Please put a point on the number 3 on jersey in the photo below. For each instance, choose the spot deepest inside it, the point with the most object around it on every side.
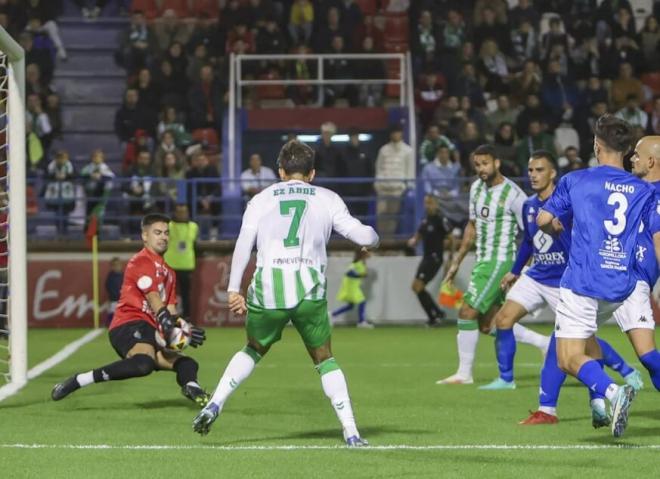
(298, 207)
(616, 227)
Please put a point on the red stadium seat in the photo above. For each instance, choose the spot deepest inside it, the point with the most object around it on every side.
(207, 7)
(270, 92)
(396, 28)
(368, 7)
(149, 8)
(652, 80)
(32, 202)
(180, 7)
(207, 136)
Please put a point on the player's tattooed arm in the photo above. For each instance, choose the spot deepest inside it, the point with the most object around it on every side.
(469, 236)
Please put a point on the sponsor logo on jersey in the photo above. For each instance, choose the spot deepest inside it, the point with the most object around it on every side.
(641, 252)
(611, 250)
(485, 211)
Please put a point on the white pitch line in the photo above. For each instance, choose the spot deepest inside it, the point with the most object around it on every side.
(54, 360)
(294, 447)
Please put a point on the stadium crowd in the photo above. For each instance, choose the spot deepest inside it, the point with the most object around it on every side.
(522, 75)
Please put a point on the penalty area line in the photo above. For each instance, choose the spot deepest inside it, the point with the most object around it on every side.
(54, 360)
(293, 447)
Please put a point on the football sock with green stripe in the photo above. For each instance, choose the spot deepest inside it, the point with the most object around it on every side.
(335, 388)
(467, 340)
(238, 370)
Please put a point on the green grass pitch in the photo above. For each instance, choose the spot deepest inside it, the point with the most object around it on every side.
(391, 374)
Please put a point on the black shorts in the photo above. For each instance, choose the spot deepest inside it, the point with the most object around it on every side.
(428, 268)
(124, 337)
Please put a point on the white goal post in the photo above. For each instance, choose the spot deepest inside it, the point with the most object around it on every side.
(14, 86)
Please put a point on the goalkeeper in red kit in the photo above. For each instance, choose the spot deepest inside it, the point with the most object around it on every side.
(145, 315)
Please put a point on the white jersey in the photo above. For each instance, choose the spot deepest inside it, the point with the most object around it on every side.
(497, 216)
(291, 223)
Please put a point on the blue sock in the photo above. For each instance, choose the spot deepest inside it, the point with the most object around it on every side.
(505, 349)
(613, 359)
(552, 378)
(341, 310)
(594, 394)
(651, 362)
(592, 375)
(361, 310)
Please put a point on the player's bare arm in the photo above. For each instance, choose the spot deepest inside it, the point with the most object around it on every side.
(548, 223)
(469, 236)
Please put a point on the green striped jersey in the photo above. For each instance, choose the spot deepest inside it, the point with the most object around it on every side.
(291, 223)
(497, 216)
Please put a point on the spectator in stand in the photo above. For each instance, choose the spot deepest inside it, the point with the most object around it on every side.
(446, 113)
(172, 170)
(328, 159)
(206, 32)
(649, 39)
(524, 12)
(324, 38)
(428, 96)
(624, 85)
(440, 176)
(41, 16)
(339, 69)
(256, 177)
(168, 29)
(39, 121)
(113, 282)
(139, 190)
(565, 136)
(504, 143)
(270, 39)
(555, 36)
(571, 161)
(259, 12)
(433, 140)
(148, 94)
(301, 70)
(499, 8)
(425, 43)
(632, 113)
(240, 33)
(493, 67)
(173, 89)
(558, 95)
(624, 25)
(531, 111)
(91, 9)
(469, 139)
(595, 92)
(34, 84)
(526, 82)
(351, 18)
(536, 139)
(396, 161)
(358, 165)
(653, 125)
(523, 43)
(233, 14)
(504, 113)
(54, 114)
(34, 153)
(469, 112)
(468, 84)
(130, 118)
(97, 181)
(204, 196)
(490, 27)
(205, 101)
(170, 122)
(196, 61)
(166, 146)
(369, 95)
(585, 126)
(300, 21)
(37, 56)
(177, 57)
(136, 44)
(60, 191)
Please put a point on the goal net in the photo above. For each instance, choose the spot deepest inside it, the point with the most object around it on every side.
(13, 266)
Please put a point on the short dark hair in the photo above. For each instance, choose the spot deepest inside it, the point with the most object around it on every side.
(615, 133)
(486, 149)
(545, 154)
(296, 157)
(151, 218)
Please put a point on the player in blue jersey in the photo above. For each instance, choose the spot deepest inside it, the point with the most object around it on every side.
(608, 206)
(539, 286)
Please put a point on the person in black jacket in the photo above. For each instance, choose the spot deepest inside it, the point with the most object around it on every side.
(358, 165)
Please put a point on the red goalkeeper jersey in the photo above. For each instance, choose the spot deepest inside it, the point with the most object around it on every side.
(145, 272)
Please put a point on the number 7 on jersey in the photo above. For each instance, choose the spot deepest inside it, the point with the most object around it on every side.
(298, 207)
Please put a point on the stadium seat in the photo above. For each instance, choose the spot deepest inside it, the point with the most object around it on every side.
(207, 7)
(32, 202)
(180, 7)
(652, 80)
(368, 7)
(396, 28)
(270, 92)
(149, 7)
(206, 136)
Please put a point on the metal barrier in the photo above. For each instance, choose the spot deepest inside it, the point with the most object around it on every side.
(59, 210)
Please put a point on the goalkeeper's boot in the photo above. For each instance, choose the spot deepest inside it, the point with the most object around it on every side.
(635, 380)
(206, 417)
(620, 408)
(196, 394)
(498, 384)
(356, 441)
(599, 417)
(63, 389)
(539, 417)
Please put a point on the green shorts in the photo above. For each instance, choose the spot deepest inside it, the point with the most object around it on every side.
(310, 318)
(484, 289)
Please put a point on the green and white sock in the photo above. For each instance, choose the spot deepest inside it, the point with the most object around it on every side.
(466, 340)
(237, 371)
(336, 389)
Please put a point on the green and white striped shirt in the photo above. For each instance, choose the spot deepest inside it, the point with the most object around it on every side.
(291, 223)
(497, 216)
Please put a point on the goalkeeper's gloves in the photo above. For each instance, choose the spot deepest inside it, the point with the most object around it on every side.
(197, 336)
(166, 321)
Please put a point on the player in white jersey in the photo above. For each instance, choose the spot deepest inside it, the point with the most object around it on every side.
(495, 219)
(291, 223)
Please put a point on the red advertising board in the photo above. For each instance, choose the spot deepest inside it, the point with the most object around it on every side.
(60, 293)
